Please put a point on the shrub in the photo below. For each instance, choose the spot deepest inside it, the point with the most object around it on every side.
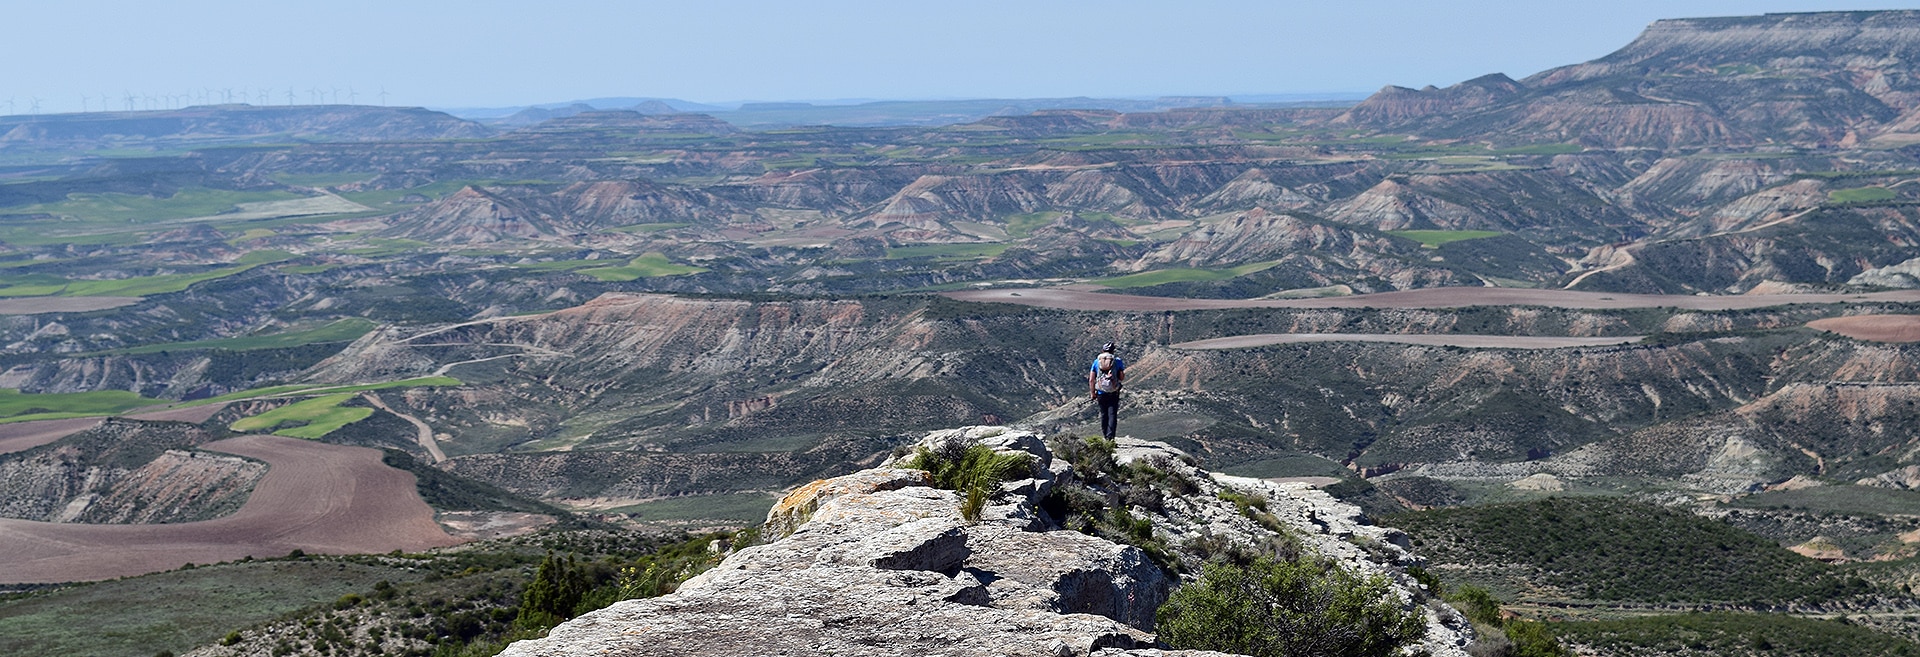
(1298, 608)
(974, 470)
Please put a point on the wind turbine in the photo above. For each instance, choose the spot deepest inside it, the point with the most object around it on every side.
(352, 97)
(129, 98)
(383, 95)
(9, 106)
(289, 96)
(83, 104)
(336, 95)
(36, 105)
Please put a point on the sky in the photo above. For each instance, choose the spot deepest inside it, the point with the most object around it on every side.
(77, 55)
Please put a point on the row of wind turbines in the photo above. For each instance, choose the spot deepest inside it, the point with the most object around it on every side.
(130, 101)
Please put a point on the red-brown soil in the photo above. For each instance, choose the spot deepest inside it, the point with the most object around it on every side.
(1878, 328)
(21, 436)
(1476, 341)
(1439, 297)
(316, 497)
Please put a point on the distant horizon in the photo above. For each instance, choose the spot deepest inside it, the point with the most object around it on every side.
(94, 55)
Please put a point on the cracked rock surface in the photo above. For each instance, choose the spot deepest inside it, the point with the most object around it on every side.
(880, 563)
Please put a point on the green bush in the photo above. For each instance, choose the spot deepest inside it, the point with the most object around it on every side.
(1299, 608)
(974, 470)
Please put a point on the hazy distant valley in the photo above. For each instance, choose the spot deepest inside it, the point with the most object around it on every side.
(596, 321)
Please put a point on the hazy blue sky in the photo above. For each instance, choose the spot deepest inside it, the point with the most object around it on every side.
(485, 53)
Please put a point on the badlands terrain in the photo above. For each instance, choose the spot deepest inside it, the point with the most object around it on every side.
(1661, 304)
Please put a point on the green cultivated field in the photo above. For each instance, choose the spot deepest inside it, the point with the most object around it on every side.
(649, 228)
(40, 285)
(344, 330)
(746, 507)
(312, 418)
(1435, 238)
(310, 389)
(963, 251)
(646, 266)
(1182, 275)
(323, 179)
(16, 406)
(142, 616)
(1862, 195)
(121, 209)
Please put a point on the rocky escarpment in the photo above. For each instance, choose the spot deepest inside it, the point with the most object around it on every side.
(881, 563)
(125, 471)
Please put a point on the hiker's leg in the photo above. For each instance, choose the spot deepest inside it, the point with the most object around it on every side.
(1109, 414)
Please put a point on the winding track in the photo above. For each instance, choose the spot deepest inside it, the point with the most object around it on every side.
(315, 497)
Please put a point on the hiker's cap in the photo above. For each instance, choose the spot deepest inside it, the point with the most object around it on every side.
(1107, 347)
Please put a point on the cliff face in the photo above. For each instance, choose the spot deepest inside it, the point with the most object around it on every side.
(880, 563)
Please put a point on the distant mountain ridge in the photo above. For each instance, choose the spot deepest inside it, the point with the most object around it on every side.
(1815, 79)
(239, 122)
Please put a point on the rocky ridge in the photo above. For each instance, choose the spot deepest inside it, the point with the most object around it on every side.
(881, 563)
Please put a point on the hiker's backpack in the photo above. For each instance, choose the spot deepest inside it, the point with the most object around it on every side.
(1107, 372)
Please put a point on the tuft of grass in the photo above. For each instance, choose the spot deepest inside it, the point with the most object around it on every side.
(975, 470)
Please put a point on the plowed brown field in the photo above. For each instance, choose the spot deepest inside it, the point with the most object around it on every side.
(316, 497)
(1878, 328)
(1439, 297)
(20, 436)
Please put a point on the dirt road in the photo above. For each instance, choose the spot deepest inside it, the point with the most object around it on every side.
(1453, 340)
(422, 433)
(1441, 297)
(315, 497)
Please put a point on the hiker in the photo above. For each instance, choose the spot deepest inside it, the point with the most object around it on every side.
(1104, 382)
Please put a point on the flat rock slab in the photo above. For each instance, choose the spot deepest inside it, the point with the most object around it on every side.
(315, 497)
(1469, 341)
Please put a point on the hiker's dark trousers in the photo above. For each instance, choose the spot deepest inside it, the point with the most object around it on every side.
(1109, 403)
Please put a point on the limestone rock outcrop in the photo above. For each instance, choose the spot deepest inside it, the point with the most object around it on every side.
(881, 563)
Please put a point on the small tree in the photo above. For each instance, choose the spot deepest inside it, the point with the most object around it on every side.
(1302, 608)
(552, 595)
